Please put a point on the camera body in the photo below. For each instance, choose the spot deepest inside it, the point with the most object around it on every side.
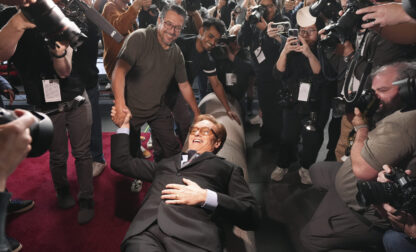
(192, 5)
(400, 192)
(53, 24)
(368, 103)
(257, 12)
(41, 131)
(347, 25)
(329, 8)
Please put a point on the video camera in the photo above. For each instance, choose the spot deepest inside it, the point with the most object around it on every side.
(257, 12)
(346, 26)
(41, 131)
(400, 192)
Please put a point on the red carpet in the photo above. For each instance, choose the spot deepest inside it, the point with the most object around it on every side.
(48, 228)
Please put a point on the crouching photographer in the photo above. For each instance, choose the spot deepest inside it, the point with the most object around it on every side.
(396, 190)
(340, 222)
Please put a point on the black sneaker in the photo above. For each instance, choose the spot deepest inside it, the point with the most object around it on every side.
(15, 245)
(65, 199)
(86, 211)
(19, 206)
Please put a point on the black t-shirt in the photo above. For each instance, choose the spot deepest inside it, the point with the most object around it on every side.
(195, 62)
(34, 64)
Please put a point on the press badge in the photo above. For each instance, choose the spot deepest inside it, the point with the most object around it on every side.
(304, 90)
(231, 79)
(51, 90)
(259, 55)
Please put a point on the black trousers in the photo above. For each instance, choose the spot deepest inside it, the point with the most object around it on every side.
(163, 134)
(153, 239)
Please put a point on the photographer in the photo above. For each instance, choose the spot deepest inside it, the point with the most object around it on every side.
(402, 236)
(148, 14)
(264, 52)
(299, 70)
(340, 222)
(221, 11)
(53, 82)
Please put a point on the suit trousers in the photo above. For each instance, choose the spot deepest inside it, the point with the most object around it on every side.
(334, 226)
(77, 125)
(153, 239)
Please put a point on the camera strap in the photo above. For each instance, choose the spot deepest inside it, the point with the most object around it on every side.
(353, 65)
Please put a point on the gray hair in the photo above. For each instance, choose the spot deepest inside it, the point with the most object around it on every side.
(173, 7)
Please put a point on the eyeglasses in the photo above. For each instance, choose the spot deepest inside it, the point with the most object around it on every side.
(170, 26)
(206, 131)
(307, 32)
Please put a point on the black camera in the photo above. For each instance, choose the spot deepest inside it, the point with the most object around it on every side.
(400, 192)
(53, 24)
(368, 103)
(257, 12)
(154, 10)
(407, 92)
(227, 39)
(41, 131)
(192, 5)
(328, 8)
(347, 25)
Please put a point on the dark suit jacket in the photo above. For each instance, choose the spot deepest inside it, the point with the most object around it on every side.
(193, 224)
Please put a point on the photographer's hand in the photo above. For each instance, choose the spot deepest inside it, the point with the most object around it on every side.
(10, 95)
(15, 143)
(137, 4)
(384, 15)
(273, 32)
(262, 25)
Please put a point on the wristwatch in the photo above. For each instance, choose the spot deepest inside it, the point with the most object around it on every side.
(357, 127)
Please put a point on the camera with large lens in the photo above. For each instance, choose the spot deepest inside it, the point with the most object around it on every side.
(53, 24)
(400, 192)
(41, 131)
(192, 5)
(257, 12)
(368, 103)
(328, 8)
(346, 26)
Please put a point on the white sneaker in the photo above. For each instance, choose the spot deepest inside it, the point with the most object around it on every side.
(107, 87)
(97, 168)
(256, 120)
(149, 144)
(278, 173)
(305, 176)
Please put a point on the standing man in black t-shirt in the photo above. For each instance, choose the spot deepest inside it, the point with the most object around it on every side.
(52, 83)
(198, 60)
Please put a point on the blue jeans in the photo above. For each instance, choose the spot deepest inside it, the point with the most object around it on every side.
(397, 241)
(96, 146)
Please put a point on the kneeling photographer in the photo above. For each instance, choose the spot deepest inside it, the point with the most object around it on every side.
(340, 222)
(54, 80)
(304, 97)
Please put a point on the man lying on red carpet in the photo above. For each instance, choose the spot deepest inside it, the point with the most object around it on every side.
(192, 195)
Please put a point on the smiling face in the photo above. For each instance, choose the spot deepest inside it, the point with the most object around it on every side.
(201, 142)
(169, 28)
(209, 37)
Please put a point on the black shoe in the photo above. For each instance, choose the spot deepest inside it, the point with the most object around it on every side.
(14, 244)
(65, 199)
(19, 206)
(261, 142)
(86, 211)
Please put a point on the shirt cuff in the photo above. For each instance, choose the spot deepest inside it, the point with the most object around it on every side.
(211, 202)
(123, 131)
